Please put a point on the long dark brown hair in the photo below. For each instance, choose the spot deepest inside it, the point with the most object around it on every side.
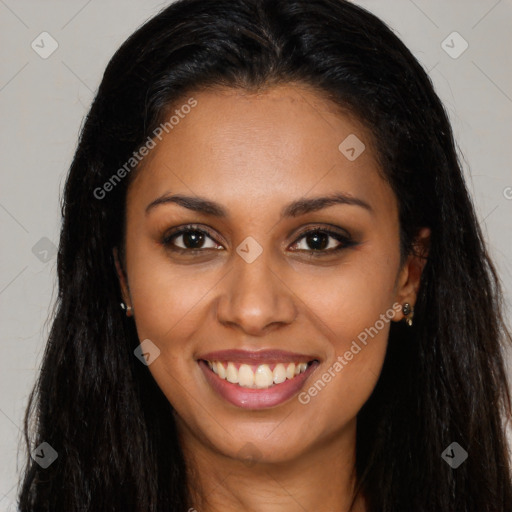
(443, 380)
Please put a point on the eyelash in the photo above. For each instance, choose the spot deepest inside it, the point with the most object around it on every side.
(345, 241)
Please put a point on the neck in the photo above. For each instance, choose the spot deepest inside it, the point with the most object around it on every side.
(321, 478)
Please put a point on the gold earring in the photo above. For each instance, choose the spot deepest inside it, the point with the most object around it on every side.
(408, 312)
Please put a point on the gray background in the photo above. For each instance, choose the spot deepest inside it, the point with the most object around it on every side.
(43, 102)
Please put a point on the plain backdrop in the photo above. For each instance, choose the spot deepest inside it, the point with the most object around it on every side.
(43, 102)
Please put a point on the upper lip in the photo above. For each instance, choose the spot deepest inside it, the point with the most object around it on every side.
(257, 357)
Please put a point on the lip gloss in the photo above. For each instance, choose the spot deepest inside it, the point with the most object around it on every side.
(247, 398)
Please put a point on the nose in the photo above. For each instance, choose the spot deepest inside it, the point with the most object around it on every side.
(254, 298)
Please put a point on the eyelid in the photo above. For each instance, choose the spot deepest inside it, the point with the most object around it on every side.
(327, 228)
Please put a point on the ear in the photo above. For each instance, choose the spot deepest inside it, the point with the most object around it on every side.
(123, 282)
(408, 281)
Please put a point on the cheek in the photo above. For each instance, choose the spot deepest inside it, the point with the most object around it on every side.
(339, 389)
(169, 304)
(349, 298)
(166, 298)
(353, 309)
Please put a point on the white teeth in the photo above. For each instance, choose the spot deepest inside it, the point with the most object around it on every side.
(279, 373)
(262, 378)
(245, 376)
(221, 372)
(232, 373)
(290, 371)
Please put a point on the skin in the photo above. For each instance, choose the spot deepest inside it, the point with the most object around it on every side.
(253, 154)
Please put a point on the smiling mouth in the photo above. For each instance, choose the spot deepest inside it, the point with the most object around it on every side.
(260, 376)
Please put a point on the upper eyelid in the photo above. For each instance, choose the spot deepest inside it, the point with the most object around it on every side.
(184, 229)
(325, 228)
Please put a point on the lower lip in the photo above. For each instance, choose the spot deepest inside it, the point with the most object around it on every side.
(256, 398)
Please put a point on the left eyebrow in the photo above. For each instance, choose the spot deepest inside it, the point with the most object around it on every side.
(303, 206)
(198, 204)
(293, 209)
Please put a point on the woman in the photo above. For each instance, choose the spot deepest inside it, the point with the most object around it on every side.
(309, 318)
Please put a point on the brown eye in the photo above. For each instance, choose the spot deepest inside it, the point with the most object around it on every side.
(189, 239)
(322, 241)
(192, 239)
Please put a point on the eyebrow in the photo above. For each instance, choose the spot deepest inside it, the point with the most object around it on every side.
(293, 209)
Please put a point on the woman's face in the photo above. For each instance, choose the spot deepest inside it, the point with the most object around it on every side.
(247, 278)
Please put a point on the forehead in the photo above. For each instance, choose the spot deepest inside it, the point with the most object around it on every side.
(286, 141)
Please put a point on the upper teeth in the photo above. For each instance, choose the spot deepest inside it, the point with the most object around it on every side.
(262, 377)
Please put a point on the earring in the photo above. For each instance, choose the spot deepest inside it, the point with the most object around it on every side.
(407, 310)
(125, 307)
